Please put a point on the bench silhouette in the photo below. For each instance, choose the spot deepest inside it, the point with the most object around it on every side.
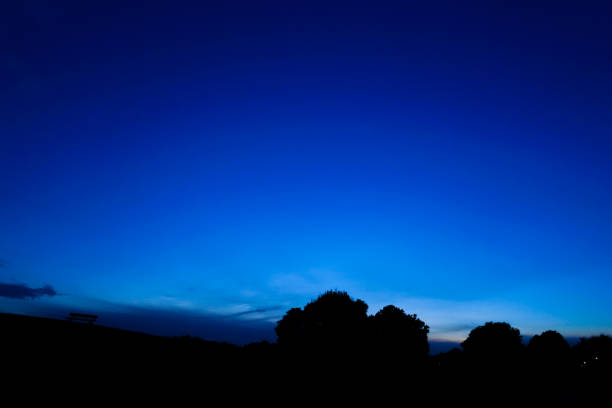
(80, 317)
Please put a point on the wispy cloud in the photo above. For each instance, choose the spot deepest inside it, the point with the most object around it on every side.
(22, 291)
(259, 311)
(167, 302)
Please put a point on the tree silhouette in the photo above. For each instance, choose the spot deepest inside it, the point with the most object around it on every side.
(395, 334)
(290, 329)
(549, 351)
(594, 353)
(333, 321)
(494, 344)
(549, 341)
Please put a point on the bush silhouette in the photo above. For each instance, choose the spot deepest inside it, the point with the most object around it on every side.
(333, 321)
(395, 334)
(494, 344)
(549, 351)
(290, 330)
(594, 353)
(549, 341)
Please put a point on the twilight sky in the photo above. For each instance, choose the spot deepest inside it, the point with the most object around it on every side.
(203, 167)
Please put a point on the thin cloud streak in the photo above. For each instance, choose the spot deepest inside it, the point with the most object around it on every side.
(258, 311)
(22, 291)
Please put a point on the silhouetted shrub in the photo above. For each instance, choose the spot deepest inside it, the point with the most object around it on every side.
(495, 344)
(397, 335)
(290, 330)
(334, 321)
(451, 360)
(549, 351)
(594, 353)
(549, 341)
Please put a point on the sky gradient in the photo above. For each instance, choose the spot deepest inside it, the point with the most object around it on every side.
(204, 168)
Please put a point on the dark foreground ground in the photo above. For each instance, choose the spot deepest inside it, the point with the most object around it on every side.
(50, 361)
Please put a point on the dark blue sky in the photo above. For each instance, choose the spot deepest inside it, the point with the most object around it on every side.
(230, 161)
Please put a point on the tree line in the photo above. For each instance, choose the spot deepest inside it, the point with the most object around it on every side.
(333, 339)
(338, 324)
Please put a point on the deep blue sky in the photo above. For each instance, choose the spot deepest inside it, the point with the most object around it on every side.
(219, 164)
